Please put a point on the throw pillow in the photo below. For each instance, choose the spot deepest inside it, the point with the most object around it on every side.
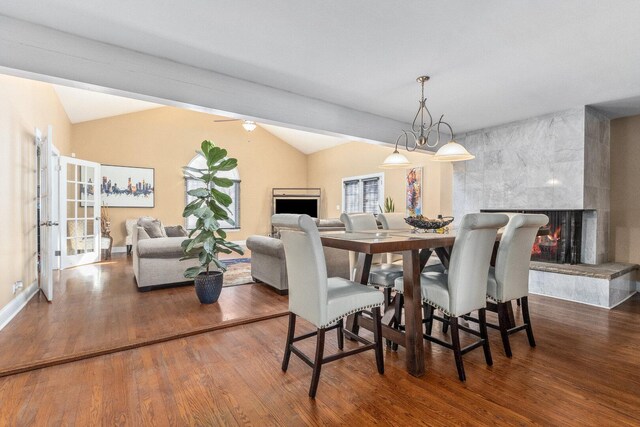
(153, 228)
(176, 231)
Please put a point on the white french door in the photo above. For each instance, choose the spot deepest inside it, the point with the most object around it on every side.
(46, 171)
(79, 211)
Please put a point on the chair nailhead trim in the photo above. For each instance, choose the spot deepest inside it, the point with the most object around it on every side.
(433, 304)
(494, 299)
(334, 321)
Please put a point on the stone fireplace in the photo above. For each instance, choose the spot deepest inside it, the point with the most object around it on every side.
(558, 162)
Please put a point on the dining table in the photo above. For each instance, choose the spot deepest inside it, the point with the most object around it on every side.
(416, 249)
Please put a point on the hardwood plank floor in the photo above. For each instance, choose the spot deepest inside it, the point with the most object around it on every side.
(585, 371)
(98, 309)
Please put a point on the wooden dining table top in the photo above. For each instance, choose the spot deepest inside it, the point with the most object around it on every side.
(381, 241)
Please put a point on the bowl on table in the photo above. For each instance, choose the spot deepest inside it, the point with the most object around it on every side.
(423, 224)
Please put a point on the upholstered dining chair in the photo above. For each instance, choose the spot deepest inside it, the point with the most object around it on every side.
(381, 275)
(509, 280)
(323, 301)
(393, 221)
(462, 289)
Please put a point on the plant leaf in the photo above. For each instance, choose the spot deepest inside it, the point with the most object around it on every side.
(199, 192)
(192, 272)
(222, 182)
(226, 165)
(221, 197)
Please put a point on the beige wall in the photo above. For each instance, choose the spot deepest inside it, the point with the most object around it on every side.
(326, 169)
(24, 105)
(166, 139)
(625, 197)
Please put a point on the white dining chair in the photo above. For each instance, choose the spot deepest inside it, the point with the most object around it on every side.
(323, 301)
(509, 280)
(393, 221)
(381, 275)
(462, 289)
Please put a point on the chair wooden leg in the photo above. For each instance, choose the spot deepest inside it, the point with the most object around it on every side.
(397, 317)
(503, 320)
(340, 334)
(518, 302)
(387, 298)
(377, 337)
(445, 324)
(527, 320)
(482, 321)
(317, 364)
(290, 334)
(427, 313)
(457, 353)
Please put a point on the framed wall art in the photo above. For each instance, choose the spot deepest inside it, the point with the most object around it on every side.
(128, 186)
(413, 193)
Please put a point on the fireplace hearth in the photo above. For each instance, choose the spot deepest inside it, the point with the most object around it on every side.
(562, 243)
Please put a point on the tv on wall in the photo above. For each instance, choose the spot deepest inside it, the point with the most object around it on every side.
(298, 205)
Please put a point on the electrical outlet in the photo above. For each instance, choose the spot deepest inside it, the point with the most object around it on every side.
(337, 207)
(16, 286)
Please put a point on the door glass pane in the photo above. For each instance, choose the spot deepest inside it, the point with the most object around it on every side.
(71, 172)
(83, 174)
(82, 211)
(90, 225)
(72, 228)
(90, 191)
(89, 244)
(90, 173)
(80, 245)
(71, 246)
(90, 210)
(71, 190)
(71, 209)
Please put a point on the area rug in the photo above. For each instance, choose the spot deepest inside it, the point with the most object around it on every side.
(238, 272)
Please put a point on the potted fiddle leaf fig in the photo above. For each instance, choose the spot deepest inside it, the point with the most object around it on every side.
(208, 239)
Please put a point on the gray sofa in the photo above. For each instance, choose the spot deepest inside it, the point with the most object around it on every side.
(267, 253)
(156, 261)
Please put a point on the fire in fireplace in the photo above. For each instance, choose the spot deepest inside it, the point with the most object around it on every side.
(562, 242)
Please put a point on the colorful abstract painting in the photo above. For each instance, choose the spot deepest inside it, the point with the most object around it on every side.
(413, 192)
(127, 187)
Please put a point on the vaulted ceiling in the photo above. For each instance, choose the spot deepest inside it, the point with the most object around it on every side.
(490, 62)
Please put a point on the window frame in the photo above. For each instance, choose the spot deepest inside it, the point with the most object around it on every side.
(361, 179)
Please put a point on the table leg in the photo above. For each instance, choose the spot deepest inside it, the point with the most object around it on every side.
(425, 254)
(413, 313)
(444, 254)
(362, 275)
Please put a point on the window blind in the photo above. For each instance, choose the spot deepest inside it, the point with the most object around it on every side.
(352, 196)
(370, 191)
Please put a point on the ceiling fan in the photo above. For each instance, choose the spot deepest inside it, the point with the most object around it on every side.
(248, 125)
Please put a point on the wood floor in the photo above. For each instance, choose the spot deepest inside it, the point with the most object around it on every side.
(585, 371)
(97, 308)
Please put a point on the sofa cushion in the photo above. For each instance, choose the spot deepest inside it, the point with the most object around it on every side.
(266, 245)
(153, 227)
(175, 231)
(330, 223)
(167, 247)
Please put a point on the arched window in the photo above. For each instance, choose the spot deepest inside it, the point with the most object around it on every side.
(199, 162)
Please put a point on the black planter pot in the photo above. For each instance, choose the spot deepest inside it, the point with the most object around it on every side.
(208, 286)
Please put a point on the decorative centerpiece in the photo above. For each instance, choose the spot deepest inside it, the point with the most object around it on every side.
(423, 224)
(207, 239)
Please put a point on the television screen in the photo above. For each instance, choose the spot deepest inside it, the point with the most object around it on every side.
(297, 206)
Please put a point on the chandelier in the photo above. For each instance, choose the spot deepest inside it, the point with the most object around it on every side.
(420, 135)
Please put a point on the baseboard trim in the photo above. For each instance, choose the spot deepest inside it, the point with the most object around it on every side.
(141, 343)
(14, 306)
(118, 249)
